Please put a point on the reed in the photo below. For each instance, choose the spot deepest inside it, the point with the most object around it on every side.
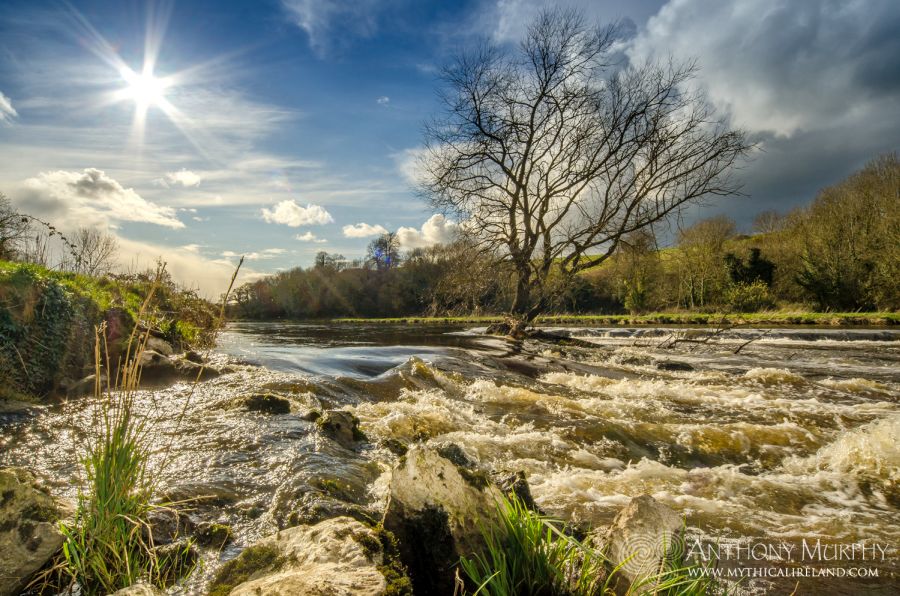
(527, 554)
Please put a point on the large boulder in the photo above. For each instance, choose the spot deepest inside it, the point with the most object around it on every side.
(438, 501)
(336, 557)
(29, 537)
(643, 537)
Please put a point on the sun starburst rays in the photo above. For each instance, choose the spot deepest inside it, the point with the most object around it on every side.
(142, 86)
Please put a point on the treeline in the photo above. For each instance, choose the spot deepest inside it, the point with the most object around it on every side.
(839, 253)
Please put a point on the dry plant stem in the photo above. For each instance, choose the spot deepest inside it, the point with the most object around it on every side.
(218, 325)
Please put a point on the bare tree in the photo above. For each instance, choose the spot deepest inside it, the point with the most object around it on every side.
(549, 153)
(94, 251)
(384, 251)
(768, 222)
(14, 229)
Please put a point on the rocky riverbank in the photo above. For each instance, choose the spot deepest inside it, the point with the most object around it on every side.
(439, 505)
(48, 321)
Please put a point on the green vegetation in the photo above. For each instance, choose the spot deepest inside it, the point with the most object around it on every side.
(771, 318)
(252, 562)
(108, 545)
(529, 555)
(838, 254)
(47, 320)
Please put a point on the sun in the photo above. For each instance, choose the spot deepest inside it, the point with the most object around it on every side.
(144, 88)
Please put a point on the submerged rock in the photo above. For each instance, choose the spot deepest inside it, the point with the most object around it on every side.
(29, 537)
(674, 365)
(435, 509)
(168, 525)
(268, 403)
(157, 369)
(643, 536)
(340, 556)
(342, 426)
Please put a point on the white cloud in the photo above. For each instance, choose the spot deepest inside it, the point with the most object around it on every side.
(437, 230)
(182, 177)
(309, 237)
(89, 198)
(784, 67)
(363, 230)
(383, 100)
(194, 248)
(7, 111)
(188, 267)
(291, 214)
(268, 253)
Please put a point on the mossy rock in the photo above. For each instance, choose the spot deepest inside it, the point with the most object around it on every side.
(253, 562)
(213, 535)
(384, 543)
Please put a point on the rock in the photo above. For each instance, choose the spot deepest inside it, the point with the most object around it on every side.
(395, 446)
(159, 345)
(649, 533)
(435, 509)
(342, 426)
(311, 415)
(213, 534)
(674, 365)
(340, 556)
(515, 485)
(168, 525)
(157, 369)
(193, 356)
(314, 507)
(268, 403)
(86, 386)
(140, 590)
(29, 537)
(176, 560)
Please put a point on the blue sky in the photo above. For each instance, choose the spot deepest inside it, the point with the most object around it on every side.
(288, 127)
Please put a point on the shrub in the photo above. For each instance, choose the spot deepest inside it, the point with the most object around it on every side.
(749, 297)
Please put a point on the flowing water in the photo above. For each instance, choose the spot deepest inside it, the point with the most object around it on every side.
(792, 437)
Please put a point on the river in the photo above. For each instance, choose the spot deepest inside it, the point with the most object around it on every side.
(783, 437)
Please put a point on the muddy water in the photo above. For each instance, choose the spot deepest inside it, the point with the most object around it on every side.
(796, 437)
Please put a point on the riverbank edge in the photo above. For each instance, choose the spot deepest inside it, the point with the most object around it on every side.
(764, 319)
(48, 317)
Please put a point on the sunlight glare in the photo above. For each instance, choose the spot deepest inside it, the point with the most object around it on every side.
(144, 88)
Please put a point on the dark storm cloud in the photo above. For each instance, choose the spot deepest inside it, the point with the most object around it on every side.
(815, 83)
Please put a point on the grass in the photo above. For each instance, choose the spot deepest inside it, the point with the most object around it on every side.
(769, 318)
(109, 544)
(527, 554)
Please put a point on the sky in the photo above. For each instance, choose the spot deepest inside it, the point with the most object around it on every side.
(278, 128)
